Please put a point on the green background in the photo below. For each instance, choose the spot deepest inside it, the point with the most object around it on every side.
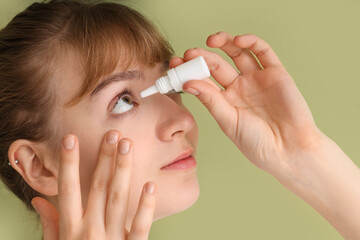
(318, 42)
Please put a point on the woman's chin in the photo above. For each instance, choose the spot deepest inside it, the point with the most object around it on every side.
(178, 202)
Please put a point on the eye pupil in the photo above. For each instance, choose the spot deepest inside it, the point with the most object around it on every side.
(126, 99)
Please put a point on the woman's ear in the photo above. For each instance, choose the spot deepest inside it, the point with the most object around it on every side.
(35, 165)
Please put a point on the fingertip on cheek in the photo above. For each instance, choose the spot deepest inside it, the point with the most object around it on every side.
(69, 142)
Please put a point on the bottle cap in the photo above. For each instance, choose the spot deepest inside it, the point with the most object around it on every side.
(195, 69)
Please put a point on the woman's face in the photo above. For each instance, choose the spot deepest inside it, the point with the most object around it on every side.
(159, 126)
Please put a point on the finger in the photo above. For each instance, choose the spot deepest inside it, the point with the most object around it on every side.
(176, 61)
(220, 69)
(259, 47)
(214, 101)
(242, 57)
(143, 219)
(49, 217)
(70, 206)
(118, 196)
(95, 211)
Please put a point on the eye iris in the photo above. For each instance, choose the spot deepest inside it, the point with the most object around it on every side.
(127, 99)
(124, 104)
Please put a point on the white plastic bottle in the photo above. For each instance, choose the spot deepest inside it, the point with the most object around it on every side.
(195, 69)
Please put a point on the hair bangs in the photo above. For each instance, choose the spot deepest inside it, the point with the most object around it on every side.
(107, 35)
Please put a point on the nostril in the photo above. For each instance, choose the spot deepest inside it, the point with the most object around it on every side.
(177, 132)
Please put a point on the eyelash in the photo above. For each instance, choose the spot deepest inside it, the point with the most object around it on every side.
(128, 92)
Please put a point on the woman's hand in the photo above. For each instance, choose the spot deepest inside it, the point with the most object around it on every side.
(263, 113)
(106, 211)
(260, 109)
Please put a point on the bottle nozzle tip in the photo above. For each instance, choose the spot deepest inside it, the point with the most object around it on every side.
(149, 91)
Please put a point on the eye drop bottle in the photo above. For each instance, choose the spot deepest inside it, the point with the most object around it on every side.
(195, 69)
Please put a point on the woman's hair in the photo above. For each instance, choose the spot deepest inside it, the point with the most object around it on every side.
(101, 35)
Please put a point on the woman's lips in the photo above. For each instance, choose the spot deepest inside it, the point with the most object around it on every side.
(184, 154)
(182, 164)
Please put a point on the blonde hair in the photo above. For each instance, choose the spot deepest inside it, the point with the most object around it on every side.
(101, 34)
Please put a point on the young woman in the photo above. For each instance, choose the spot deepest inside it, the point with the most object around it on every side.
(71, 67)
(95, 159)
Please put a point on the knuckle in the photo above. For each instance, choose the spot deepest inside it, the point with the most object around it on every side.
(123, 163)
(66, 158)
(208, 101)
(141, 228)
(148, 204)
(91, 233)
(215, 67)
(107, 150)
(236, 53)
(98, 184)
(263, 51)
(70, 228)
(117, 196)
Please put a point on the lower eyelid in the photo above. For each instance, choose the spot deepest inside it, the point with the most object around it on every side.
(125, 114)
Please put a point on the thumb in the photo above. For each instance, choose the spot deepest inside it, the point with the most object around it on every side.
(49, 217)
(218, 106)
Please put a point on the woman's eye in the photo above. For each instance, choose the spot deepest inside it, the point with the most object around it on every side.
(124, 104)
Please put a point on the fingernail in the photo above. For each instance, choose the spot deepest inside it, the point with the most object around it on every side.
(112, 137)
(34, 205)
(69, 142)
(124, 146)
(150, 188)
(192, 91)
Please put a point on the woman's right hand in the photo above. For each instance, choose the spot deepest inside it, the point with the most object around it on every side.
(106, 211)
(259, 108)
(263, 112)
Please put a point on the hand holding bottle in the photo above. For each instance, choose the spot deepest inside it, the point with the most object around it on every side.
(260, 109)
(105, 214)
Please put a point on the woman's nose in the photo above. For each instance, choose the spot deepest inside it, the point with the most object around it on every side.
(175, 120)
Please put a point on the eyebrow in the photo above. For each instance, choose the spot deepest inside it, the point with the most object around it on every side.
(121, 76)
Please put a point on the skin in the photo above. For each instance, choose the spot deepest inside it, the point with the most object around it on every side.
(260, 109)
(160, 128)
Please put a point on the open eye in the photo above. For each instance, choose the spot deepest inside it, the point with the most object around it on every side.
(124, 104)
